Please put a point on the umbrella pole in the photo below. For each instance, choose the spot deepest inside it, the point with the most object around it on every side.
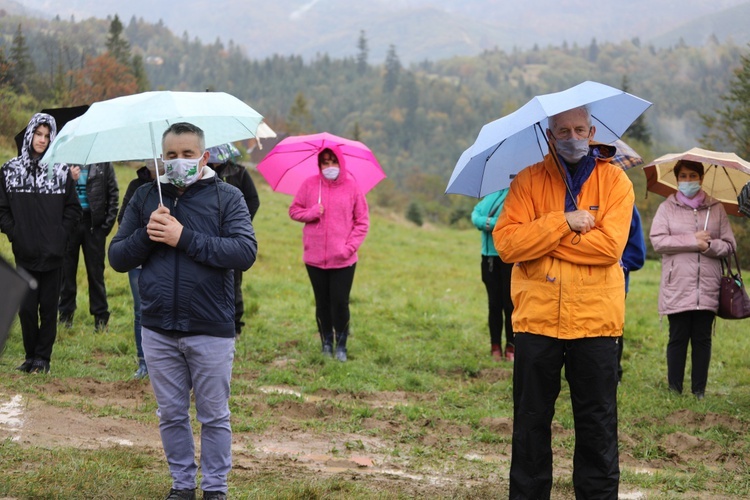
(156, 163)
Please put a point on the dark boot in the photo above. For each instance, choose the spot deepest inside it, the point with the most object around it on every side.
(327, 341)
(341, 345)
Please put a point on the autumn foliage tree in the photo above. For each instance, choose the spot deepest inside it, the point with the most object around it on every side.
(102, 78)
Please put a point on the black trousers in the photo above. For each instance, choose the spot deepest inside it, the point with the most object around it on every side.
(332, 288)
(496, 278)
(591, 371)
(693, 327)
(38, 315)
(92, 242)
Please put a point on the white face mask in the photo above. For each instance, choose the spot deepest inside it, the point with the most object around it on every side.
(182, 172)
(572, 150)
(331, 173)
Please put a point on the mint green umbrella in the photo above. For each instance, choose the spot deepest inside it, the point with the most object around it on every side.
(131, 127)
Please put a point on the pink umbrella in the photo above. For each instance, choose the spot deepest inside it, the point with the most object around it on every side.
(295, 159)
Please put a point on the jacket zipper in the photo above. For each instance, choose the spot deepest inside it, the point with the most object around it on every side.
(175, 294)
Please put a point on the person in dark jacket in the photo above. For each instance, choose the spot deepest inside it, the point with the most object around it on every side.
(188, 248)
(144, 175)
(99, 196)
(633, 258)
(236, 175)
(38, 210)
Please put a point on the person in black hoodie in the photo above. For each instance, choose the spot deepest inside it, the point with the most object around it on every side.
(99, 196)
(38, 210)
(144, 175)
(236, 175)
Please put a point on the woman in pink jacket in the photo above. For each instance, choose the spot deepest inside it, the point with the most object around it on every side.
(692, 233)
(336, 218)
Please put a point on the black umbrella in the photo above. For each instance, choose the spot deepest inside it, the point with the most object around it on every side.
(16, 283)
(61, 116)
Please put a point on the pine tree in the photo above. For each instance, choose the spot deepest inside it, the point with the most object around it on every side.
(22, 67)
(362, 54)
(116, 44)
(638, 131)
(300, 119)
(139, 71)
(392, 70)
(729, 128)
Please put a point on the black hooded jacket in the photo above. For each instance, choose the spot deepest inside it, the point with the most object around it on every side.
(38, 205)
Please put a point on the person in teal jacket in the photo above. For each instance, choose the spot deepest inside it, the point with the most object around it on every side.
(496, 276)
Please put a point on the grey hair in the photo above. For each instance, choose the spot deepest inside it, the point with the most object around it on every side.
(585, 109)
(180, 128)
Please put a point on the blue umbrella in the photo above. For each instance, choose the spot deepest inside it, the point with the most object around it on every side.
(507, 145)
(223, 153)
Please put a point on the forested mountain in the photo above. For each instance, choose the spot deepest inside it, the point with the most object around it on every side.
(417, 119)
(421, 29)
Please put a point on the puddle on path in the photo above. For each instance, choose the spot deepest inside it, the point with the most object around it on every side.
(12, 415)
(270, 389)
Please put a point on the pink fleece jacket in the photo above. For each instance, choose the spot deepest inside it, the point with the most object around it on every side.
(331, 240)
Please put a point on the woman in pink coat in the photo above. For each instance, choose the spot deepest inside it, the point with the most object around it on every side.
(692, 233)
(334, 211)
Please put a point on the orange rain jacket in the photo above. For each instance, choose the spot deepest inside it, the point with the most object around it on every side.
(562, 287)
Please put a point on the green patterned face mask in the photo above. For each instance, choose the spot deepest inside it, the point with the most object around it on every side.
(182, 172)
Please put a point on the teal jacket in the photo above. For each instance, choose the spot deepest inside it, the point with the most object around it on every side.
(484, 217)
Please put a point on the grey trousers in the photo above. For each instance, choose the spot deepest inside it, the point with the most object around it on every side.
(204, 364)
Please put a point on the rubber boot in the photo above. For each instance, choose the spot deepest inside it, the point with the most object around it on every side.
(341, 345)
(327, 341)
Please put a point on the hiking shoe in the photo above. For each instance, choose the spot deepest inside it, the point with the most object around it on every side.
(214, 495)
(181, 494)
(66, 320)
(101, 326)
(497, 354)
(510, 353)
(39, 366)
(142, 371)
(25, 366)
(699, 395)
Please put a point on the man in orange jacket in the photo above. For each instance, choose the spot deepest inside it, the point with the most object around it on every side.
(568, 291)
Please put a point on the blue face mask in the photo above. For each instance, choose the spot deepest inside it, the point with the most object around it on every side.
(690, 188)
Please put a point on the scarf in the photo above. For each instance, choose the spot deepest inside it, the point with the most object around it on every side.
(694, 202)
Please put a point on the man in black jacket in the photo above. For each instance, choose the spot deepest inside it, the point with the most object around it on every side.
(99, 196)
(38, 209)
(232, 173)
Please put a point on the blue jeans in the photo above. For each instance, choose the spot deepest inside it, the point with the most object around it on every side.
(133, 276)
(203, 363)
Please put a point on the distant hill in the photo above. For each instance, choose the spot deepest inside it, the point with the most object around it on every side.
(728, 24)
(419, 29)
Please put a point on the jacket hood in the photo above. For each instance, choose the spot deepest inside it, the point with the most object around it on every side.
(342, 164)
(602, 151)
(36, 120)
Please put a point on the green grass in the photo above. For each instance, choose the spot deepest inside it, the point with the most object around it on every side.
(420, 389)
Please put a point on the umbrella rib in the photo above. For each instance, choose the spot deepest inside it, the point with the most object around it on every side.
(484, 170)
(605, 126)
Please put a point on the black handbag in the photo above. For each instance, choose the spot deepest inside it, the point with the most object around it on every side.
(733, 300)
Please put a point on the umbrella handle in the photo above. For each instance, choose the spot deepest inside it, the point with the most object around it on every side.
(705, 224)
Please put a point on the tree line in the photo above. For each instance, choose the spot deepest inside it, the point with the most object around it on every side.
(417, 119)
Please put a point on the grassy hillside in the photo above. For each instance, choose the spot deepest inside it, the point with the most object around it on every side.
(420, 390)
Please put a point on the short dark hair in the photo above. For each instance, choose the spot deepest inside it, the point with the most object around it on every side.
(180, 128)
(329, 151)
(695, 166)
